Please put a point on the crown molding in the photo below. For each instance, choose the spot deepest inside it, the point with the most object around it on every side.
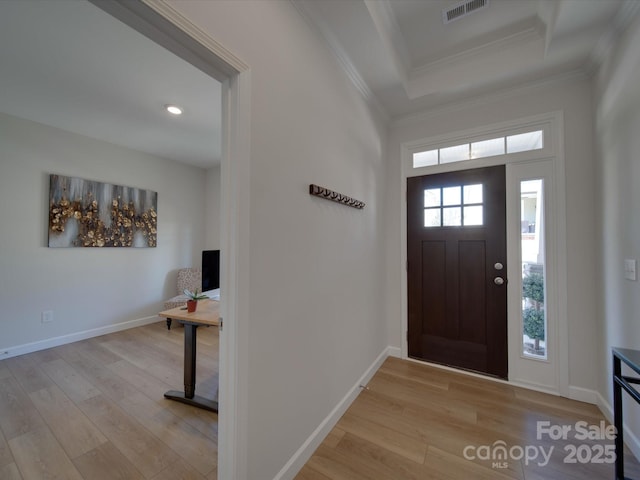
(154, 18)
(319, 26)
(174, 16)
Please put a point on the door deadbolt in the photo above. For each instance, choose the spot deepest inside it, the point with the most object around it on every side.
(498, 266)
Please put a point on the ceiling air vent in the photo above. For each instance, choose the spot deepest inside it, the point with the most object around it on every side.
(462, 9)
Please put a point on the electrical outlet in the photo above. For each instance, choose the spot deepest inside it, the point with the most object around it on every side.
(630, 269)
(47, 316)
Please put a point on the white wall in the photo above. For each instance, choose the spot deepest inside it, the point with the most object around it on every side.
(212, 209)
(316, 295)
(573, 97)
(617, 129)
(87, 288)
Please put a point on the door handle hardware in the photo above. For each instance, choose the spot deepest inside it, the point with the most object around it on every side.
(498, 280)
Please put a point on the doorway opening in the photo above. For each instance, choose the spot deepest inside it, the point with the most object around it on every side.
(167, 27)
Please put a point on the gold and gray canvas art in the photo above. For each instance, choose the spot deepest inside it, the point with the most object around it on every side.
(87, 213)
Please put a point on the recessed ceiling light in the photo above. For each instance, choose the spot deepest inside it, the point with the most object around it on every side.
(173, 109)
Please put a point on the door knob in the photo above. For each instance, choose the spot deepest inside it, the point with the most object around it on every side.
(498, 280)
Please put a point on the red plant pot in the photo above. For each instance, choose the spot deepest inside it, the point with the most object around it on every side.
(191, 305)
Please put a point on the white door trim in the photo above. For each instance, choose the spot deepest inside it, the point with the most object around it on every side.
(553, 125)
(159, 21)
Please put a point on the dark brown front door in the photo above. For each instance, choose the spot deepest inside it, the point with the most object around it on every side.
(457, 271)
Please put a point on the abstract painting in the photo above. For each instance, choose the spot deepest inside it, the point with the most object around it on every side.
(86, 213)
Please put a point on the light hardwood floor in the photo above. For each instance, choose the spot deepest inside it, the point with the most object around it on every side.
(95, 409)
(415, 421)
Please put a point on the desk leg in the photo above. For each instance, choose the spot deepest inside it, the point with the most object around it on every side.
(188, 396)
(617, 419)
(189, 359)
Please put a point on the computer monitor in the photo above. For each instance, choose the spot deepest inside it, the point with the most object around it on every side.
(210, 270)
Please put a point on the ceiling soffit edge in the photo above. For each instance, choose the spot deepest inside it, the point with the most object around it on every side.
(479, 65)
(488, 98)
(391, 36)
(627, 13)
(548, 12)
(416, 81)
(534, 31)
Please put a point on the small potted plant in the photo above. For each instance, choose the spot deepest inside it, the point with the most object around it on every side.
(194, 296)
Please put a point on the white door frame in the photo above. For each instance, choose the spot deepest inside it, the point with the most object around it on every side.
(553, 126)
(163, 24)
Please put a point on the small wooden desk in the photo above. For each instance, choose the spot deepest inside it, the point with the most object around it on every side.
(207, 313)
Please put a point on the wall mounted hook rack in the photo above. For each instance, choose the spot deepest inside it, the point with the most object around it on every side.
(322, 192)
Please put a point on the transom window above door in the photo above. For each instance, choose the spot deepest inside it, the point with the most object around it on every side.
(454, 206)
(503, 145)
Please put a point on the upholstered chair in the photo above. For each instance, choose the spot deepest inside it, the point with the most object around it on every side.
(188, 278)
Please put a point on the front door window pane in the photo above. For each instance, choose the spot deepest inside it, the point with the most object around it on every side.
(460, 205)
(534, 319)
(473, 215)
(451, 217)
(432, 197)
(432, 217)
(451, 196)
(472, 194)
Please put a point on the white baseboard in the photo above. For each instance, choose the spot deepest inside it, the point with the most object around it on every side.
(583, 395)
(302, 455)
(605, 408)
(536, 387)
(74, 337)
(394, 352)
(630, 439)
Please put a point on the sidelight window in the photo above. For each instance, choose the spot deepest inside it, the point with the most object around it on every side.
(532, 251)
